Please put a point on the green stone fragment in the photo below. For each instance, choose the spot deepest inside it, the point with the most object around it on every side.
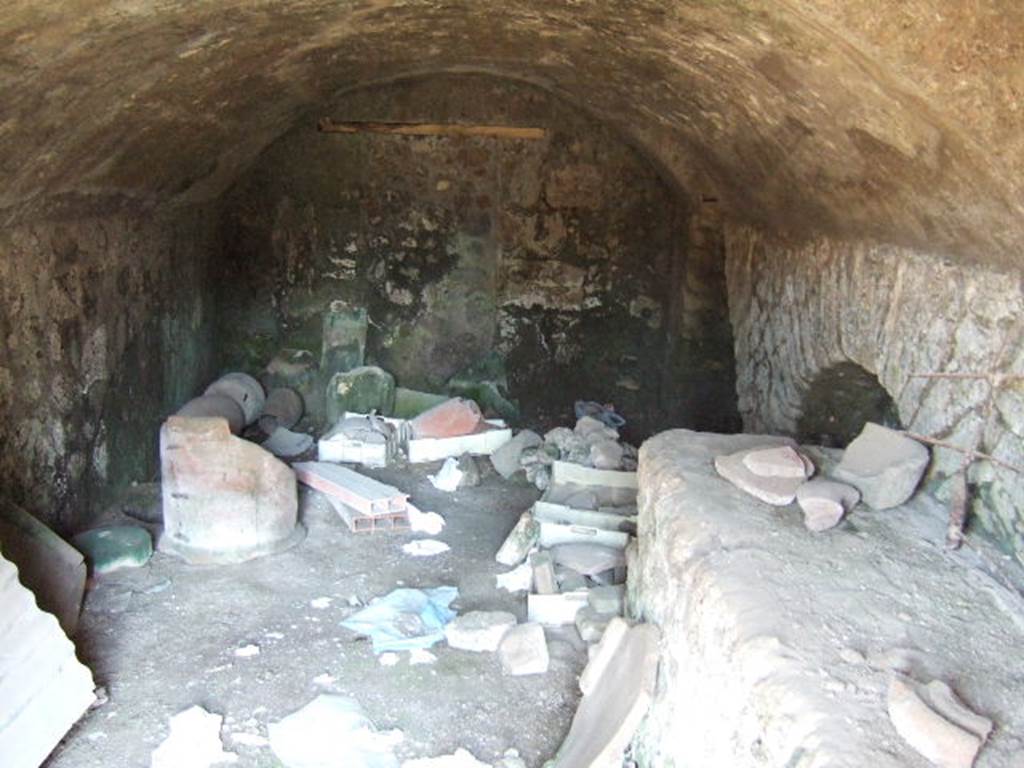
(114, 547)
(361, 390)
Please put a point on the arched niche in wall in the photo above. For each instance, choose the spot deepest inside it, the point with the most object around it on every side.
(840, 400)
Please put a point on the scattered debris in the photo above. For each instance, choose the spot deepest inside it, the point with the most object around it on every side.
(114, 547)
(524, 650)
(225, 500)
(421, 656)
(884, 465)
(479, 631)
(616, 697)
(405, 618)
(370, 440)
(43, 687)
(518, 579)
(194, 741)
(470, 472)
(824, 502)
(588, 559)
(388, 659)
(320, 603)
(287, 444)
(332, 731)
(448, 476)
(459, 759)
(935, 723)
(425, 547)
(247, 651)
(542, 566)
(430, 523)
(771, 474)
(49, 566)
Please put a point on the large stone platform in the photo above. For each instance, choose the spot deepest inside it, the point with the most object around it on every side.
(779, 643)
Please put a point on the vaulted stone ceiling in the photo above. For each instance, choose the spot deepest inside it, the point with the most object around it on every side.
(861, 118)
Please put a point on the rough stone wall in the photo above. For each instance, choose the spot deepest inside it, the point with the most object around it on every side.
(798, 309)
(556, 253)
(105, 328)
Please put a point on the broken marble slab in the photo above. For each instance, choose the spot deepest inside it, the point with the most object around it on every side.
(520, 540)
(606, 454)
(193, 741)
(479, 631)
(616, 697)
(524, 650)
(332, 731)
(884, 465)
(588, 559)
(591, 624)
(778, 489)
(543, 569)
(824, 502)
(557, 609)
(287, 444)
(932, 721)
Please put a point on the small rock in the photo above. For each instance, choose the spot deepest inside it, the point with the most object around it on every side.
(524, 650)
(851, 656)
(591, 624)
(247, 651)
(606, 454)
(510, 759)
(479, 631)
(194, 741)
(470, 472)
(942, 741)
(824, 503)
(425, 547)
(883, 465)
(114, 547)
(458, 759)
(608, 600)
(519, 579)
(505, 459)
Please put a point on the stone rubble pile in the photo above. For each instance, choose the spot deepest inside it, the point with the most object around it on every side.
(881, 467)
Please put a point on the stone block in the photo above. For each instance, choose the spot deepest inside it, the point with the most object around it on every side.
(451, 418)
(43, 687)
(588, 559)
(884, 465)
(343, 345)
(524, 650)
(606, 454)
(824, 503)
(49, 566)
(225, 500)
(479, 631)
(361, 390)
(544, 580)
(114, 547)
(506, 458)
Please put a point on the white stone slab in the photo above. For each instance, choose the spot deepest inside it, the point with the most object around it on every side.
(420, 450)
(43, 687)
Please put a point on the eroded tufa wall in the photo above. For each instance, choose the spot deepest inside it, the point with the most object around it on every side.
(569, 256)
(106, 329)
(799, 308)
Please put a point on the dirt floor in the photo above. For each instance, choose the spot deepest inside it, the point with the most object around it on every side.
(163, 638)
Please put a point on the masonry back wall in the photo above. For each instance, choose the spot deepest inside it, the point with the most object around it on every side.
(105, 329)
(567, 255)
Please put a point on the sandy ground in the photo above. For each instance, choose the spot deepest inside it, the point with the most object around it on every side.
(163, 638)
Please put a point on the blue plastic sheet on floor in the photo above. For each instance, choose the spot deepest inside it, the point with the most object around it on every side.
(405, 618)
